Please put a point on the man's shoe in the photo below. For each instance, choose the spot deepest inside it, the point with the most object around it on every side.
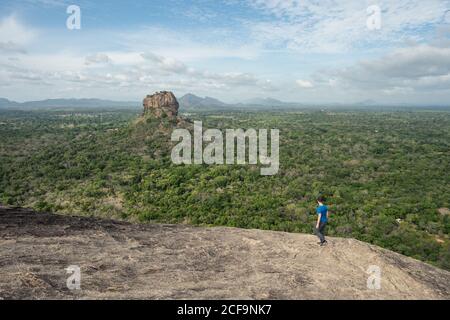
(323, 243)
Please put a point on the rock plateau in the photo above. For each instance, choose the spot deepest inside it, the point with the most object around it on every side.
(120, 260)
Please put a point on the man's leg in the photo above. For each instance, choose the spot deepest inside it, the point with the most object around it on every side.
(319, 232)
(322, 231)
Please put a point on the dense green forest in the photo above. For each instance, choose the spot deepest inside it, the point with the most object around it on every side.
(385, 174)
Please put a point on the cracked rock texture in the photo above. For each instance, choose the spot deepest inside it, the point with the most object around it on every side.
(155, 261)
(161, 104)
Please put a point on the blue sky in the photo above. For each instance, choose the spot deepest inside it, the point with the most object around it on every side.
(307, 51)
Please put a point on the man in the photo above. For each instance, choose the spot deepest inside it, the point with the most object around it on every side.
(322, 219)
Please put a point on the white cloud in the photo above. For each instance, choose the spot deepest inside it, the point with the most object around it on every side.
(306, 84)
(165, 63)
(14, 32)
(15, 36)
(11, 47)
(188, 45)
(139, 72)
(402, 71)
(332, 26)
(50, 3)
(412, 62)
(98, 58)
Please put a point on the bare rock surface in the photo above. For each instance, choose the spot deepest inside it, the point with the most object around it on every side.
(157, 261)
(161, 104)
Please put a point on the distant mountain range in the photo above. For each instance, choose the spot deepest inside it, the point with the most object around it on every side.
(187, 102)
(191, 102)
(7, 103)
(268, 102)
(68, 103)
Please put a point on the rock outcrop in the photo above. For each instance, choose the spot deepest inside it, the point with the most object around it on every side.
(155, 261)
(161, 104)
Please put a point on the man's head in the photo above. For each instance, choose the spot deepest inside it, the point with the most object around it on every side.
(320, 199)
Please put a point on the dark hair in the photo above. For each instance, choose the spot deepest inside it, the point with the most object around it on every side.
(321, 199)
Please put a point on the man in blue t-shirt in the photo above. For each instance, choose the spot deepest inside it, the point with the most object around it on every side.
(322, 219)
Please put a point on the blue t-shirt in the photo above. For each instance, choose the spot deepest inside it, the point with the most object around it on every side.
(322, 210)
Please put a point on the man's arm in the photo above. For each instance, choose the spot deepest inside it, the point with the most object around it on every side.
(318, 220)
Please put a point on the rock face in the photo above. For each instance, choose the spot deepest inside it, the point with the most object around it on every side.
(155, 261)
(161, 104)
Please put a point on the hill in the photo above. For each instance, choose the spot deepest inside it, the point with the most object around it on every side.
(160, 261)
(67, 103)
(269, 102)
(7, 103)
(190, 101)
